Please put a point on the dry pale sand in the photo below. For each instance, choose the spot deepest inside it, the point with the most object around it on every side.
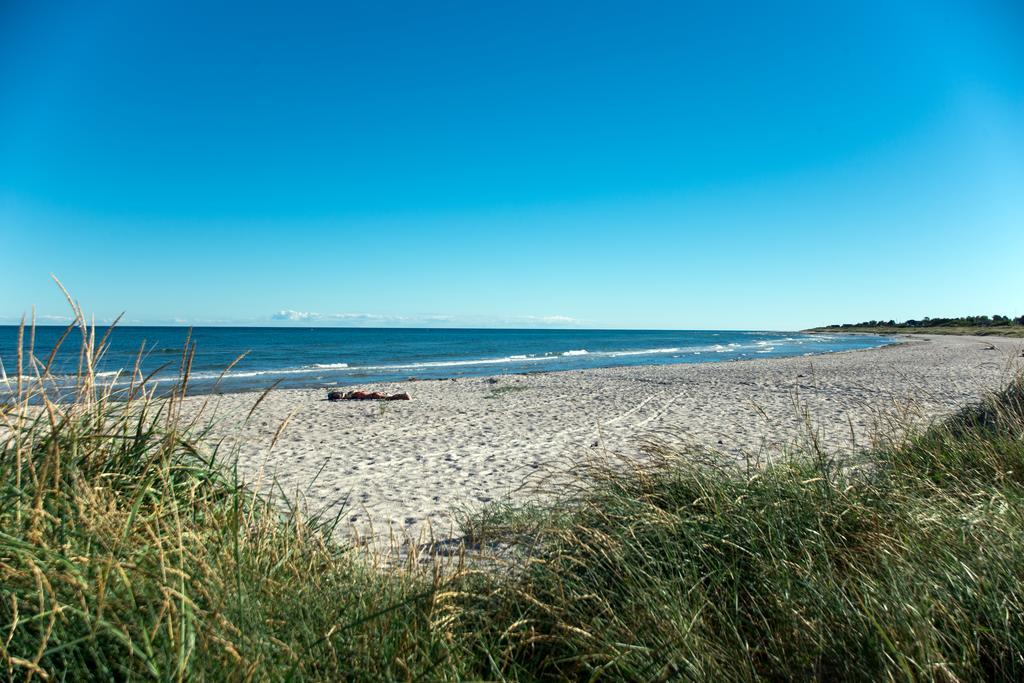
(405, 466)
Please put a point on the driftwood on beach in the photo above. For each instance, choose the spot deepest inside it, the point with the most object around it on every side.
(366, 396)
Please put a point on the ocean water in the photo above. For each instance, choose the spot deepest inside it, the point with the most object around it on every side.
(324, 357)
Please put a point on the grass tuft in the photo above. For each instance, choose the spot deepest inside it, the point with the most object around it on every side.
(502, 391)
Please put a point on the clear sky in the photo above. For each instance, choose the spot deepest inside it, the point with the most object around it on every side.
(655, 165)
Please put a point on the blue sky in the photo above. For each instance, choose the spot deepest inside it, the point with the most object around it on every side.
(651, 165)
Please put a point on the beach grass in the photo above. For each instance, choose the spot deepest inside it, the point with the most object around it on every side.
(502, 391)
(130, 551)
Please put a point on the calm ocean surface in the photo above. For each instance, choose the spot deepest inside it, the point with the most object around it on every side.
(318, 357)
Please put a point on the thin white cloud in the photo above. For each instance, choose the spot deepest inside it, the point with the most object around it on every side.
(288, 315)
(559, 320)
(294, 316)
(311, 317)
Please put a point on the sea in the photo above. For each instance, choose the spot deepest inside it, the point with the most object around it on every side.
(231, 359)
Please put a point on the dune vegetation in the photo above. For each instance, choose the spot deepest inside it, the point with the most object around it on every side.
(130, 551)
(978, 325)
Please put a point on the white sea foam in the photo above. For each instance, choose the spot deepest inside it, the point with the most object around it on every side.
(237, 374)
(643, 352)
(28, 378)
(456, 363)
(211, 375)
(243, 374)
(4, 377)
(510, 359)
(328, 371)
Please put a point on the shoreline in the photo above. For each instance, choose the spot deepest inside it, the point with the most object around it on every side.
(340, 357)
(403, 467)
(323, 386)
(1007, 331)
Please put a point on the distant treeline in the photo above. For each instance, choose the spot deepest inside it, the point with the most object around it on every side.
(967, 321)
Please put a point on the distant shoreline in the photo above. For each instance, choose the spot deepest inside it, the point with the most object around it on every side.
(1012, 331)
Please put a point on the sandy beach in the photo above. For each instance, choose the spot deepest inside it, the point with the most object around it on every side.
(404, 466)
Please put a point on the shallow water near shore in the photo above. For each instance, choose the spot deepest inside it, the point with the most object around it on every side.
(317, 357)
